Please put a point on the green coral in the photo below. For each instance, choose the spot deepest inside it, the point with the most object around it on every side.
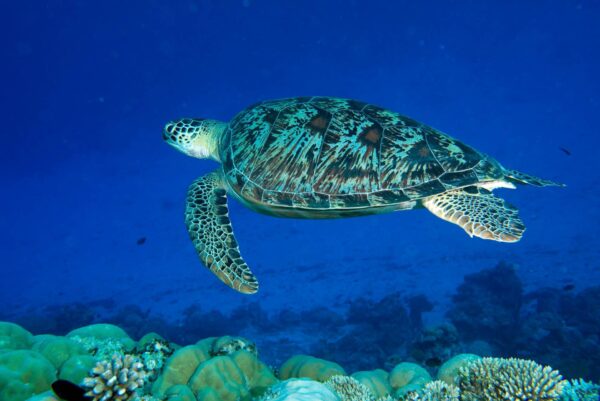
(179, 367)
(227, 345)
(24, 373)
(448, 372)
(580, 390)
(76, 368)
(57, 349)
(103, 340)
(13, 336)
(499, 379)
(318, 369)
(408, 377)
(376, 380)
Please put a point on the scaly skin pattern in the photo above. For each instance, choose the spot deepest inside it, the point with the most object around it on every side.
(207, 220)
(329, 157)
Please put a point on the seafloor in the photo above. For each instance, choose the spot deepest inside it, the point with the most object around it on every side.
(101, 362)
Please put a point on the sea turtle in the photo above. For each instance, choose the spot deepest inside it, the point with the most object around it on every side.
(325, 157)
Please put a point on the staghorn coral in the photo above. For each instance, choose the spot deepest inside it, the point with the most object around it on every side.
(580, 390)
(349, 389)
(117, 379)
(499, 379)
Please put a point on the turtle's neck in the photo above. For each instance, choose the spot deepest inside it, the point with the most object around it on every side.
(216, 129)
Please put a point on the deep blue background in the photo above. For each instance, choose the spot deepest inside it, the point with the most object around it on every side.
(88, 86)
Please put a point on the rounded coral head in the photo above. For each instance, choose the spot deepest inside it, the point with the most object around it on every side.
(196, 137)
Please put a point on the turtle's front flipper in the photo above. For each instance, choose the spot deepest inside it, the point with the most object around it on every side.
(207, 221)
(480, 214)
(522, 178)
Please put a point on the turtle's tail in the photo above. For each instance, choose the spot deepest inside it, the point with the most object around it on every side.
(522, 178)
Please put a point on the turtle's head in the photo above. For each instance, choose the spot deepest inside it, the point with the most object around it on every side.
(195, 137)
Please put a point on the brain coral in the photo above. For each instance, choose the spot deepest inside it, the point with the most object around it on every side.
(499, 379)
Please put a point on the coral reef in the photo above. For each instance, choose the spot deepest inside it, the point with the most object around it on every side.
(377, 381)
(434, 391)
(449, 371)
(299, 390)
(117, 379)
(349, 389)
(228, 369)
(495, 379)
(407, 377)
(580, 390)
(311, 367)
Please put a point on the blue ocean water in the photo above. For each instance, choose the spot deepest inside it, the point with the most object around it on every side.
(92, 224)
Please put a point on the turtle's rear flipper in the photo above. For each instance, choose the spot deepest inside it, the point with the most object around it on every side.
(207, 221)
(480, 214)
(522, 178)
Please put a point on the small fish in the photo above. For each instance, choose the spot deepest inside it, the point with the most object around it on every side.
(68, 391)
(565, 151)
(141, 241)
(569, 287)
(433, 362)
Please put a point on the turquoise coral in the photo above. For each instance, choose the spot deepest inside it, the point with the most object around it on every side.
(580, 390)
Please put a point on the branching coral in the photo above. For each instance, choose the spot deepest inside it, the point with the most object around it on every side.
(117, 379)
(580, 390)
(499, 379)
(434, 391)
(349, 389)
